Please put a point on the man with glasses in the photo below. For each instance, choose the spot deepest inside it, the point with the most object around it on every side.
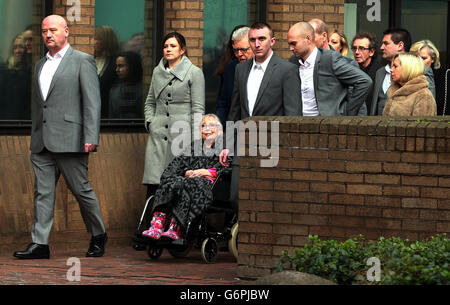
(243, 52)
(364, 47)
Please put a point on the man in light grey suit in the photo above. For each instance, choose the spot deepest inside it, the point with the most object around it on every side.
(395, 40)
(326, 76)
(65, 128)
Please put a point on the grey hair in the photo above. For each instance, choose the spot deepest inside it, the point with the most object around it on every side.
(240, 33)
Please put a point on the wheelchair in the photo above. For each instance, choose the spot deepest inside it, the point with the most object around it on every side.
(205, 234)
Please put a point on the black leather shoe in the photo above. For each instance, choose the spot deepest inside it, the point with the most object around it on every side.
(34, 251)
(97, 246)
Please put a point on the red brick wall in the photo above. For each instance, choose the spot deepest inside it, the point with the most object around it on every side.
(115, 172)
(186, 17)
(285, 13)
(82, 31)
(341, 177)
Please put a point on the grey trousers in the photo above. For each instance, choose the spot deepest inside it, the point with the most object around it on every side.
(47, 168)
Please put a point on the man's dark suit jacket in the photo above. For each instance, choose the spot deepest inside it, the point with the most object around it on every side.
(278, 95)
(224, 100)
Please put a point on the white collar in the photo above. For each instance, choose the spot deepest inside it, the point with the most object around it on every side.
(311, 58)
(388, 68)
(60, 54)
(263, 64)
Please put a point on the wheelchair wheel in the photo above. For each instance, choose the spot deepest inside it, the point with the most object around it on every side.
(233, 242)
(154, 252)
(180, 253)
(209, 250)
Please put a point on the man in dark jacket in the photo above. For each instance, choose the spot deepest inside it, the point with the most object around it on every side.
(364, 47)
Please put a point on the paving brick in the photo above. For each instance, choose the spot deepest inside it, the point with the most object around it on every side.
(121, 266)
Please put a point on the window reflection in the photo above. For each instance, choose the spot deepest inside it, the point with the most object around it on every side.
(220, 17)
(119, 49)
(15, 60)
(125, 96)
(360, 17)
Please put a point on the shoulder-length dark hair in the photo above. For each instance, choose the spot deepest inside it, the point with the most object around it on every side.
(134, 63)
(228, 55)
(180, 39)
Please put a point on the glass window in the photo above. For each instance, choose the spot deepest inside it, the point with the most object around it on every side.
(220, 17)
(363, 17)
(15, 59)
(427, 20)
(120, 49)
(423, 19)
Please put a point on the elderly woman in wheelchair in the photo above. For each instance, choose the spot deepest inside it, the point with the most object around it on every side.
(186, 185)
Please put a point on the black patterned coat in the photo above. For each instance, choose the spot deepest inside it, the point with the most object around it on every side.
(186, 198)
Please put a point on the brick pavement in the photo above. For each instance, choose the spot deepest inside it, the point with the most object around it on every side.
(120, 266)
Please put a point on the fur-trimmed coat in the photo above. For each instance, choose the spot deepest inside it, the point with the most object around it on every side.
(412, 99)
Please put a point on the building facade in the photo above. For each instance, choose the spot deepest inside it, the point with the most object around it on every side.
(139, 26)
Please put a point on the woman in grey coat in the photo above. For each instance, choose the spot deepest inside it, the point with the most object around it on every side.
(177, 92)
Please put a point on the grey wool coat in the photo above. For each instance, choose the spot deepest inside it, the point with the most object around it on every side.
(174, 96)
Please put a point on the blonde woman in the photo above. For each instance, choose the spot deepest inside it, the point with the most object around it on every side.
(15, 83)
(106, 47)
(409, 94)
(17, 59)
(430, 55)
(339, 42)
(428, 51)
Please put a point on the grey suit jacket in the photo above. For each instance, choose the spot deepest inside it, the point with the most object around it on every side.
(333, 75)
(278, 95)
(379, 78)
(70, 116)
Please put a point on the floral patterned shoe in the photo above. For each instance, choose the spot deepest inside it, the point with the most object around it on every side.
(157, 226)
(174, 231)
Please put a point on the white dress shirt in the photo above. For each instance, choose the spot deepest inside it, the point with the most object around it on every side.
(49, 69)
(387, 79)
(254, 81)
(306, 71)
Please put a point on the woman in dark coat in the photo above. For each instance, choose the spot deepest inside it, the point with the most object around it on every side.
(125, 96)
(186, 184)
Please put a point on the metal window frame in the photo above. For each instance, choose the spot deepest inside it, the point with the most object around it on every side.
(261, 10)
(395, 19)
(158, 30)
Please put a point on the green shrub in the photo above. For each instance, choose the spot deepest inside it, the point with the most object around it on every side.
(402, 261)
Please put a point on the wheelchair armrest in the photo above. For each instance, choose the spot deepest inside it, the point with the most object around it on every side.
(221, 186)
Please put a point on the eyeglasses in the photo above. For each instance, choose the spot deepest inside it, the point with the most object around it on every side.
(243, 50)
(210, 126)
(360, 49)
